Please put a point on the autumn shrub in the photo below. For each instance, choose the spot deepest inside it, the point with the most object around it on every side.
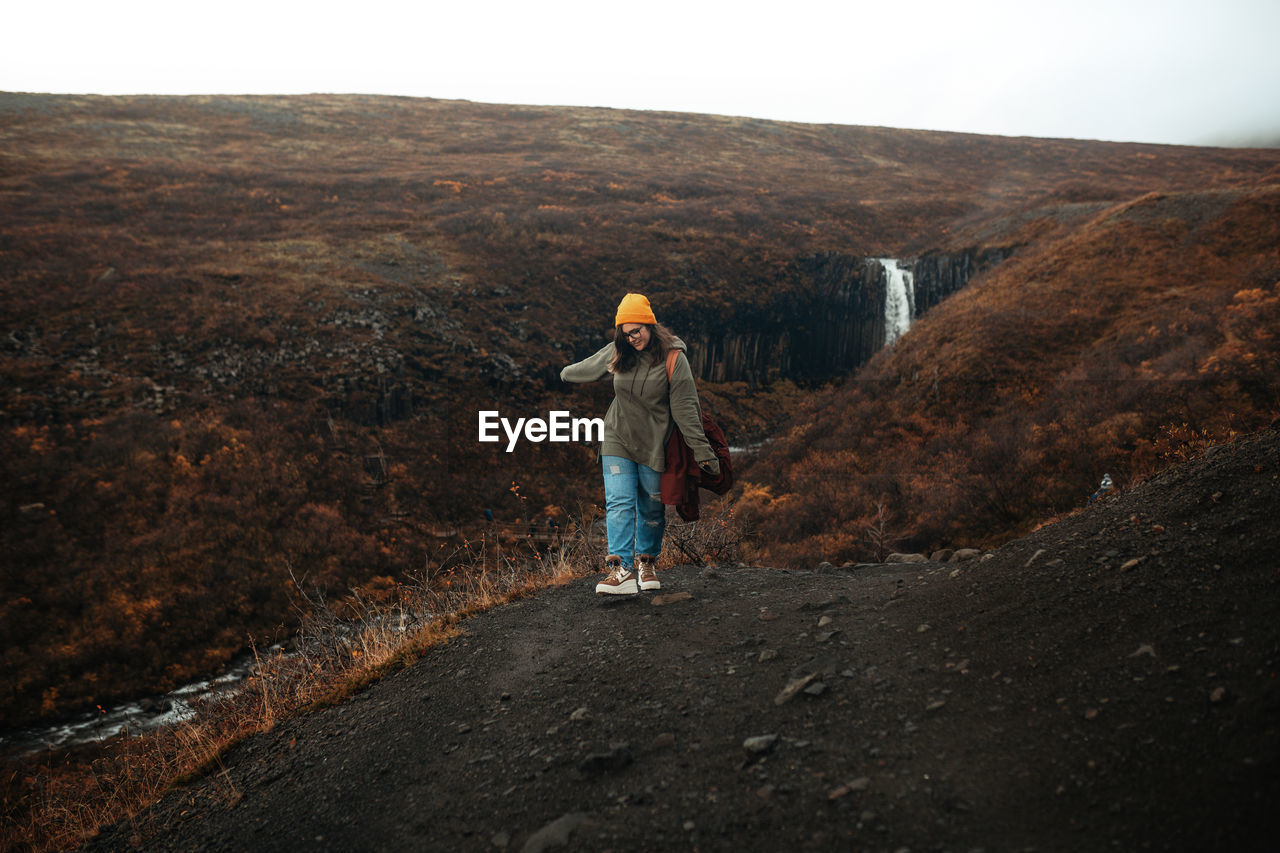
(1115, 344)
(211, 329)
(718, 536)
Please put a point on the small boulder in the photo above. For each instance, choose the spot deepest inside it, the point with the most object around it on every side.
(793, 687)
(611, 761)
(554, 834)
(665, 740)
(760, 744)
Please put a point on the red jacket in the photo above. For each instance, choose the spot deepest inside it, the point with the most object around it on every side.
(681, 476)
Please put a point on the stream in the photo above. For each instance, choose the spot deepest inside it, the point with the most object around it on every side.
(139, 715)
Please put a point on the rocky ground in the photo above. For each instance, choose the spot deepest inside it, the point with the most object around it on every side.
(1108, 682)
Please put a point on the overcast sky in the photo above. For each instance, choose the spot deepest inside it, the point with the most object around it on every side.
(1175, 71)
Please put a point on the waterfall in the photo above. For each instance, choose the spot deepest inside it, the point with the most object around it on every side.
(899, 300)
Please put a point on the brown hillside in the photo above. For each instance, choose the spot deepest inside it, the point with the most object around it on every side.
(248, 336)
(1112, 343)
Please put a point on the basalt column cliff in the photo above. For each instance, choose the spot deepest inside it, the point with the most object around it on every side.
(829, 316)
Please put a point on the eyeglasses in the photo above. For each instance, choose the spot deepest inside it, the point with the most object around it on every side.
(634, 334)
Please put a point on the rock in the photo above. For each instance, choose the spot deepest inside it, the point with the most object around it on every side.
(1037, 555)
(1129, 565)
(1144, 649)
(955, 573)
(825, 568)
(760, 744)
(767, 655)
(1218, 695)
(825, 621)
(905, 558)
(935, 705)
(579, 715)
(829, 604)
(824, 636)
(941, 556)
(793, 687)
(709, 573)
(500, 840)
(670, 598)
(860, 784)
(34, 512)
(816, 689)
(663, 741)
(616, 758)
(924, 629)
(554, 834)
(963, 554)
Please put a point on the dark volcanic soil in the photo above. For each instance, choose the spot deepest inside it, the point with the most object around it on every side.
(1108, 682)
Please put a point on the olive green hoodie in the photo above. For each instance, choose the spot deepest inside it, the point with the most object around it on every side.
(640, 418)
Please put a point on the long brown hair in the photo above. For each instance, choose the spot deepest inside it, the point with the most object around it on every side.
(626, 356)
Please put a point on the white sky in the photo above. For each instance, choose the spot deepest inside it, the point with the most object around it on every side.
(1176, 71)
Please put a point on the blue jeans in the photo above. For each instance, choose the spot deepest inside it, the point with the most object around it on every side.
(634, 515)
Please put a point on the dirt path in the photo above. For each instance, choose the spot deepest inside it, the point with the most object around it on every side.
(1108, 682)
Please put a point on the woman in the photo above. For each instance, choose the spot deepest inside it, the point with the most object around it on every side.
(645, 409)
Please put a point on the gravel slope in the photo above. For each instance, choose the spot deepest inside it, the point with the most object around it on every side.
(1106, 682)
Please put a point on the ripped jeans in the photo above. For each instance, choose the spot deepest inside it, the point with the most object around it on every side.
(634, 515)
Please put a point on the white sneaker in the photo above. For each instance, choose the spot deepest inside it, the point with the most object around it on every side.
(619, 581)
(648, 574)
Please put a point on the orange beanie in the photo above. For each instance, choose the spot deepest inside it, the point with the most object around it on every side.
(634, 308)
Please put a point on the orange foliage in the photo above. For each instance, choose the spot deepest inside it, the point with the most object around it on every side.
(230, 353)
(1103, 348)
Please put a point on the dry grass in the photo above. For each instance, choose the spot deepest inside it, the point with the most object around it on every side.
(717, 537)
(59, 802)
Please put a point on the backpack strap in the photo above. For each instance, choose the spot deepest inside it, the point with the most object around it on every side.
(672, 356)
